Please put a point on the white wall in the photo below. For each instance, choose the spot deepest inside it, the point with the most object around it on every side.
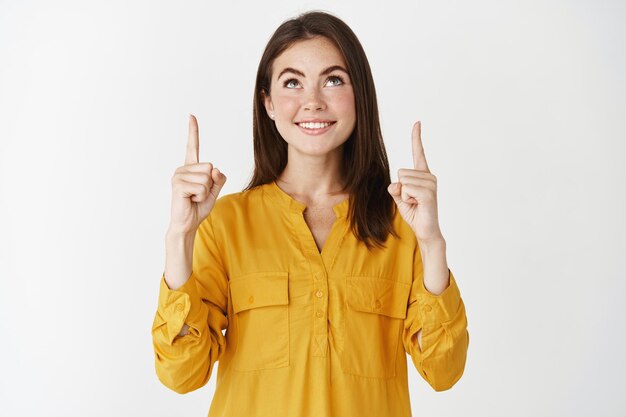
(523, 108)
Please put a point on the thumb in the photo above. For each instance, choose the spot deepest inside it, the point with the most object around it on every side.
(219, 179)
(395, 189)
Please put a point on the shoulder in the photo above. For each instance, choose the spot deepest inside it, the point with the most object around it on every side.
(230, 206)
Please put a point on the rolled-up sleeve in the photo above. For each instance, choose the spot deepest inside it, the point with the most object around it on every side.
(185, 363)
(445, 338)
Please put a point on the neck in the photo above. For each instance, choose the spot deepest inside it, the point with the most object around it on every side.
(313, 177)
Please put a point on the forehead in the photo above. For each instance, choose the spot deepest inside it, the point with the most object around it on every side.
(309, 55)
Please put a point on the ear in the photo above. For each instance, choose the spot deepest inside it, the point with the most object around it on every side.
(269, 106)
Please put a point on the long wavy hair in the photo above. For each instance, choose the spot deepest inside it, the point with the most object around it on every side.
(365, 167)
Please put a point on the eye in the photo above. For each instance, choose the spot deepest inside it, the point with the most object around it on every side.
(288, 82)
(336, 78)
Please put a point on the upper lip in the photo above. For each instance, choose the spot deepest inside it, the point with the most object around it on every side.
(315, 120)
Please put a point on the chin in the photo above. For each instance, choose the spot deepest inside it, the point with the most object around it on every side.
(312, 149)
(315, 145)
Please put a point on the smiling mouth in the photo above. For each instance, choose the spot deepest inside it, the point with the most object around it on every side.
(315, 125)
(315, 128)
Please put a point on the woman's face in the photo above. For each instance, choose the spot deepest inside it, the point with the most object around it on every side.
(311, 97)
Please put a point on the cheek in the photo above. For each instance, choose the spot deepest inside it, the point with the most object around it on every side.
(285, 104)
(344, 104)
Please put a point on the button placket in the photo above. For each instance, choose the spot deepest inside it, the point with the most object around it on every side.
(319, 304)
(320, 294)
(321, 263)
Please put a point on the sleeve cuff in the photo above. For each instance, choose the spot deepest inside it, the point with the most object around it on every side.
(437, 309)
(180, 306)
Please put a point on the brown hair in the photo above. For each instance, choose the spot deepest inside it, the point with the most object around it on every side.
(365, 167)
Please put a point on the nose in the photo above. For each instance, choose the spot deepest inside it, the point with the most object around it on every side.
(314, 100)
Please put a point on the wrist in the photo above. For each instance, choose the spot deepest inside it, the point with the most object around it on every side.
(432, 245)
(177, 236)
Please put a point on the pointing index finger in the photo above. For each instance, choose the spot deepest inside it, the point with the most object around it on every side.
(419, 159)
(192, 142)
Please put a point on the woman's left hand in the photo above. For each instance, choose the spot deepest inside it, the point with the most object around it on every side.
(415, 194)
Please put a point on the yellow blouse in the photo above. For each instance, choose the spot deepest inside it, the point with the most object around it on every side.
(307, 333)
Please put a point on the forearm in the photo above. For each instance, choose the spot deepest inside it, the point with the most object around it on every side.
(435, 264)
(178, 263)
(436, 273)
(178, 259)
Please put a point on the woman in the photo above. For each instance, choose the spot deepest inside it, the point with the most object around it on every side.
(322, 273)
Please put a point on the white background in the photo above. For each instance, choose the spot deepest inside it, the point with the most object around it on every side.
(523, 108)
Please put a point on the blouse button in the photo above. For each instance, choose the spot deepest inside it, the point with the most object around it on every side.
(251, 300)
(319, 293)
(319, 314)
(179, 307)
(317, 277)
(378, 304)
(427, 308)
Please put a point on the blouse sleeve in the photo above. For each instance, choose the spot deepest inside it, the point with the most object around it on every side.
(184, 363)
(445, 338)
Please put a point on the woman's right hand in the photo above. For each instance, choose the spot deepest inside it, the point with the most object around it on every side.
(195, 187)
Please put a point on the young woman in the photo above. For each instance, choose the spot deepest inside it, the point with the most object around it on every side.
(322, 272)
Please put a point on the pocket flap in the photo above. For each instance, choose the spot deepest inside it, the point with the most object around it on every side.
(259, 290)
(378, 295)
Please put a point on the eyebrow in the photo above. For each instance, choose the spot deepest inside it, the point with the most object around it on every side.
(300, 73)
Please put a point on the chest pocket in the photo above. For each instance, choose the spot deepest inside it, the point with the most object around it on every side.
(374, 318)
(261, 309)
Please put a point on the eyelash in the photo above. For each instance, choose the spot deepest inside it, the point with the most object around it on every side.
(332, 76)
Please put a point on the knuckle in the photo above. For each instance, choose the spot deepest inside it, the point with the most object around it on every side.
(204, 167)
(200, 190)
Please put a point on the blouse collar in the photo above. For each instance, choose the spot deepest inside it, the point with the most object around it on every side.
(290, 203)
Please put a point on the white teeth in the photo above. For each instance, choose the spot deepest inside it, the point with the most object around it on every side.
(315, 125)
